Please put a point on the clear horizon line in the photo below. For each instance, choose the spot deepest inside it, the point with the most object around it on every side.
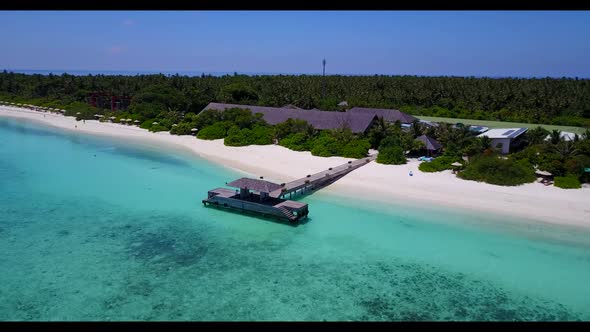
(201, 72)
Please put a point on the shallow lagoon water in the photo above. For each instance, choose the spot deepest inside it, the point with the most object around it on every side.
(97, 229)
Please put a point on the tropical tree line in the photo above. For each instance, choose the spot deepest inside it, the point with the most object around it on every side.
(240, 127)
(563, 101)
(538, 149)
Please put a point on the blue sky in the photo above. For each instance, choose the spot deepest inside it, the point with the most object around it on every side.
(485, 43)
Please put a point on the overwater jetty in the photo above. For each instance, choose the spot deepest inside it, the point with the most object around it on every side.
(266, 198)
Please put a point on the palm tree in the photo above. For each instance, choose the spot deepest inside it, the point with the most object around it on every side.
(429, 131)
(536, 135)
(565, 149)
(378, 132)
(442, 132)
(416, 129)
(460, 136)
(485, 143)
(555, 136)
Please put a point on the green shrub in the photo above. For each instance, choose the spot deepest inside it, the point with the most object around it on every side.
(325, 145)
(493, 170)
(296, 142)
(242, 118)
(158, 127)
(356, 148)
(567, 182)
(183, 128)
(261, 135)
(215, 131)
(292, 126)
(86, 111)
(391, 155)
(438, 164)
(205, 118)
(236, 137)
(147, 124)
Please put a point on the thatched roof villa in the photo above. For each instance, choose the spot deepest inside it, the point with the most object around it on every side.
(358, 119)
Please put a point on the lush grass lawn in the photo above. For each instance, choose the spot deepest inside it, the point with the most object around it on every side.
(500, 124)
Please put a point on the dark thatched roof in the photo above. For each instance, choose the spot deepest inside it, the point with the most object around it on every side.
(429, 142)
(357, 122)
(292, 107)
(254, 184)
(386, 114)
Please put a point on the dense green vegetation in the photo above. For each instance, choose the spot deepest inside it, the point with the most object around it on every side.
(214, 131)
(258, 135)
(494, 170)
(567, 182)
(394, 143)
(239, 127)
(438, 164)
(557, 156)
(391, 155)
(338, 143)
(171, 103)
(538, 148)
(564, 101)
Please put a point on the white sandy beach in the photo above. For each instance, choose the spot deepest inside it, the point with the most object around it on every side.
(374, 181)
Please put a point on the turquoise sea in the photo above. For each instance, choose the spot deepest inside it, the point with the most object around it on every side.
(101, 229)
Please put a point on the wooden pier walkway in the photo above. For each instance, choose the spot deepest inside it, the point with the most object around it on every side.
(269, 198)
(320, 179)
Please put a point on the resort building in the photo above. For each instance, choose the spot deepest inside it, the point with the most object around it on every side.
(321, 120)
(254, 196)
(358, 119)
(504, 138)
(389, 115)
(564, 135)
(430, 144)
(478, 129)
(266, 198)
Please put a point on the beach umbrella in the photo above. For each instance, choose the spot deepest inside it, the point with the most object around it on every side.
(129, 120)
(544, 173)
(194, 129)
(137, 121)
(155, 123)
(455, 166)
(78, 113)
(174, 125)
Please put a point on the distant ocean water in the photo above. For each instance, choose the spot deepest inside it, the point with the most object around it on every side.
(98, 229)
(134, 73)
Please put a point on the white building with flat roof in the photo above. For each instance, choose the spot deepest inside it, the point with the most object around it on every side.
(565, 135)
(503, 138)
